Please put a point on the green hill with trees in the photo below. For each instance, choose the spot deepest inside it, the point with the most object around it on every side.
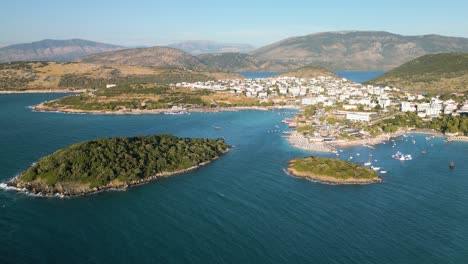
(332, 170)
(117, 163)
(435, 73)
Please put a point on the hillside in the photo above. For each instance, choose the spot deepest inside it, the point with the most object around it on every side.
(116, 163)
(241, 62)
(359, 50)
(309, 72)
(197, 47)
(53, 50)
(50, 76)
(437, 72)
(154, 57)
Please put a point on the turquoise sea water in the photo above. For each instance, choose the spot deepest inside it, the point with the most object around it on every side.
(359, 76)
(257, 75)
(355, 76)
(243, 208)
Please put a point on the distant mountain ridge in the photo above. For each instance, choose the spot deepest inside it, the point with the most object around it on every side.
(54, 50)
(435, 72)
(197, 47)
(242, 62)
(359, 50)
(153, 57)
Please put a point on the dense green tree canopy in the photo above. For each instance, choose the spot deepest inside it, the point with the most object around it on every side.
(101, 161)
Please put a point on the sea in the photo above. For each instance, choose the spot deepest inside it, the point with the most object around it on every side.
(242, 208)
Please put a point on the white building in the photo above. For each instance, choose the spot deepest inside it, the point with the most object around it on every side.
(422, 107)
(358, 116)
(384, 103)
(406, 107)
(309, 101)
(432, 112)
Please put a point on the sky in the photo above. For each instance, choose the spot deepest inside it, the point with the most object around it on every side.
(155, 22)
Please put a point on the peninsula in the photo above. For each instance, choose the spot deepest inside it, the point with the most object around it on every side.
(332, 171)
(438, 73)
(116, 163)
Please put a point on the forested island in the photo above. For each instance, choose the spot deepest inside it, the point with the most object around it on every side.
(332, 171)
(116, 163)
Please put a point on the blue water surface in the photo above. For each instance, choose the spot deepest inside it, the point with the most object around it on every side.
(359, 76)
(243, 208)
(355, 76)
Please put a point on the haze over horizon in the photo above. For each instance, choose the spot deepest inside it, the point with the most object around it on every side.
(258, 23)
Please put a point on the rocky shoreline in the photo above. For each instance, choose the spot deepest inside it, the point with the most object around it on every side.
(73, 189)
(43, 108)
(330, 180)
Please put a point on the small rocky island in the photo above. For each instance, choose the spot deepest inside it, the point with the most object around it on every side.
(116, 163)
(332, 171)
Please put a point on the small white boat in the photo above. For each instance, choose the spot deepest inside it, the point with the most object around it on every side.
(367, 164)
(341, 150)
(375, 168)
(351, 157)
(383, 171)
(357, 154)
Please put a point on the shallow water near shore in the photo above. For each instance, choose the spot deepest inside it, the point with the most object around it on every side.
(242, 208)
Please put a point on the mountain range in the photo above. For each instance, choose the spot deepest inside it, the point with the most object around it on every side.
(359, 50)
(154, 57)
(342, 50)
(242, 62)
(54, 50)
(197, 47)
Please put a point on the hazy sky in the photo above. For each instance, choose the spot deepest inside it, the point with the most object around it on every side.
(146, 22)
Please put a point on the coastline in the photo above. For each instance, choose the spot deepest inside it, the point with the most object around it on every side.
(42, 108)
(330, 180)
(41, 91)
(299, 141)
(27, 188)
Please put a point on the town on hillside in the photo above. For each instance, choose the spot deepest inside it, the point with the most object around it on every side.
(339, 112)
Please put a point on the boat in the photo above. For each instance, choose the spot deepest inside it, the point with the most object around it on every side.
(368, 163)
(217, 128)
(357, 154)
(414, 141)
(383, 171)
(375, 168)
(452, 165)
(423, 152)
(401, 156)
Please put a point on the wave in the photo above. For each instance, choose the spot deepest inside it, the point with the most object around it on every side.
(6, 187)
